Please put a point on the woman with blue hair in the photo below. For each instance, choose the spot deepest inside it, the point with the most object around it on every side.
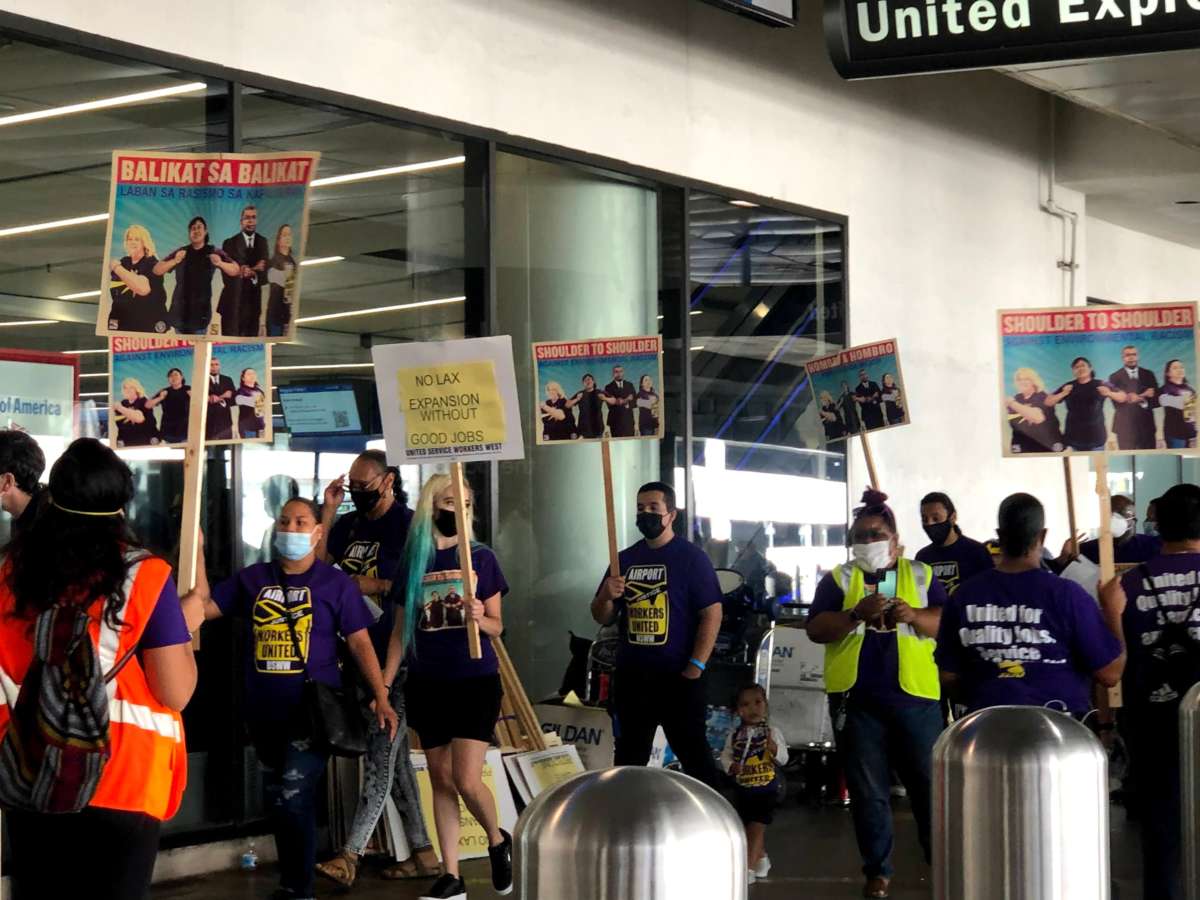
(453, 701)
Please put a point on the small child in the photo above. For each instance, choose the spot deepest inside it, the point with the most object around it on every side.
(752, 753)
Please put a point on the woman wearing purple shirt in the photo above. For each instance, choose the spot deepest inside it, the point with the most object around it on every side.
(1019, 635)
(1154, 609)
(453, 701)
(299, 609)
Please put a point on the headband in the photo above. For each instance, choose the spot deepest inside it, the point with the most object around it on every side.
(83, 512)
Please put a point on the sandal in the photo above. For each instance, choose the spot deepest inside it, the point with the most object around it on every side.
(342, 869)
(877, 888)
(413, 867)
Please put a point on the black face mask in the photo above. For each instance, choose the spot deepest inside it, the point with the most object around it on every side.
(445, 522)
(938, 532)
(650, 525)
(364, 501)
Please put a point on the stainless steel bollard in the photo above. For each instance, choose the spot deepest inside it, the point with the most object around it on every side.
(1020, 808)
(1189, 777)
(630, 833)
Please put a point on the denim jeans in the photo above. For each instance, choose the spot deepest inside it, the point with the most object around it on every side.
(1177, 443)
(290, 792)
(387, 767)
(875, 739)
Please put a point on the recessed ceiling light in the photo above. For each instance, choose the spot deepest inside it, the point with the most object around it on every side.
(28, 322)
(48, 226)
(390, 170)
(104, 103)
(441, 301)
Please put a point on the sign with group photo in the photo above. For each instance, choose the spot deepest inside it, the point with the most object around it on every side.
(598, 388)
(1098, 379)
(859, 389)
(449, 400)
(205, 246)
(150, 394)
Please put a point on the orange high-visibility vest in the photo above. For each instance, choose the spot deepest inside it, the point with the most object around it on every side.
(147, 771)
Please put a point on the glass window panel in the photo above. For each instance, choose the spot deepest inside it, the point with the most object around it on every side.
(766, 296)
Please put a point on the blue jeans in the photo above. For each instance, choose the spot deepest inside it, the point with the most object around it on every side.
(277, 329)
(290, 792)
(1177, 443)
(875, 739)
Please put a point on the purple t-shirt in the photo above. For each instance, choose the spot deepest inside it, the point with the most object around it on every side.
(322, 604)
(659, 614)
(1137, 549)
(1025, 639)
(955, 564)
(373, 548)
(1173, 597)
(439, 648)
(879, 659)
(166, 626)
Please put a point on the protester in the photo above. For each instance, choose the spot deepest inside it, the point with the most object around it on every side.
(367, 545)
(667, 604)
(1128, 545)
(298, 608)
(1154, 609)
(21, 465)
(877, 618)
(108, 849)
(1019, 635)
(453, 700)
(953, 556)
(1150, 523)
(753, 753)
(1133, 418)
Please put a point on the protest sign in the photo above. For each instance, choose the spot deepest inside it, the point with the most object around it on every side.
(859, 389)
(150, 390)
(602, 388)
(452, 400)
(1098, 379)
(205, 245)
(38, 393)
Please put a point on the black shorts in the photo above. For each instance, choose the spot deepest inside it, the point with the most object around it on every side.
(440, 711)
(756, 806)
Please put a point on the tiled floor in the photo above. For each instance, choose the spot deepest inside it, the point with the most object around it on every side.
(813, 852)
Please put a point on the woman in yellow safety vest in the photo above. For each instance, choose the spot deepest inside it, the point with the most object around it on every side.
(877, 617)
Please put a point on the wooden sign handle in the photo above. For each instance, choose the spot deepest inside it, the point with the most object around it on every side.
(458, 485)
(872, 475)
(1071, 507)
(614, 559)
(1108, 568)
(193, 472)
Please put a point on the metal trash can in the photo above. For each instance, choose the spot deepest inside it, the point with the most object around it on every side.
(1020, 808)
(1189, 775)
(630, 833)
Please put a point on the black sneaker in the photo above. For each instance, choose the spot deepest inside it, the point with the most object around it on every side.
(448, 887)
(501, 859)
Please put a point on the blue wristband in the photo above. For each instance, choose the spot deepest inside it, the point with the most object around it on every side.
(699, 665)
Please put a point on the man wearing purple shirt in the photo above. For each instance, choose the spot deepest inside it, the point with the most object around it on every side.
(1128, 545)
(1155, 610)
(1019, 635)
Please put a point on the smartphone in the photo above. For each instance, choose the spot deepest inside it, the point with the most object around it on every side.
(887, 587)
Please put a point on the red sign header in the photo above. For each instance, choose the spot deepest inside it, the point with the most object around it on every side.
(214, 171)
(1097, 319)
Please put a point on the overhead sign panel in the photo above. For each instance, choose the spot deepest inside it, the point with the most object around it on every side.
(873, 38)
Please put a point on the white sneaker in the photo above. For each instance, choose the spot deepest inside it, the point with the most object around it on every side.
(763, 869)
(751, 877)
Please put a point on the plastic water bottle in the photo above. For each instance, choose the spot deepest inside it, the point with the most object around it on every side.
(249, 859)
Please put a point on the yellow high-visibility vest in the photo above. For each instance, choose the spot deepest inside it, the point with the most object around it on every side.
(918, 672)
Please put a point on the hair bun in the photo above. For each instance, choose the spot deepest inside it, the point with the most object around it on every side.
(872, 497)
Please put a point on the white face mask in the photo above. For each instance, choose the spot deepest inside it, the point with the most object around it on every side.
(872, 557)
(1119, 526)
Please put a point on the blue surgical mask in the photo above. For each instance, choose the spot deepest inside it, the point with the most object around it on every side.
(1150, 527)
(293, 545)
